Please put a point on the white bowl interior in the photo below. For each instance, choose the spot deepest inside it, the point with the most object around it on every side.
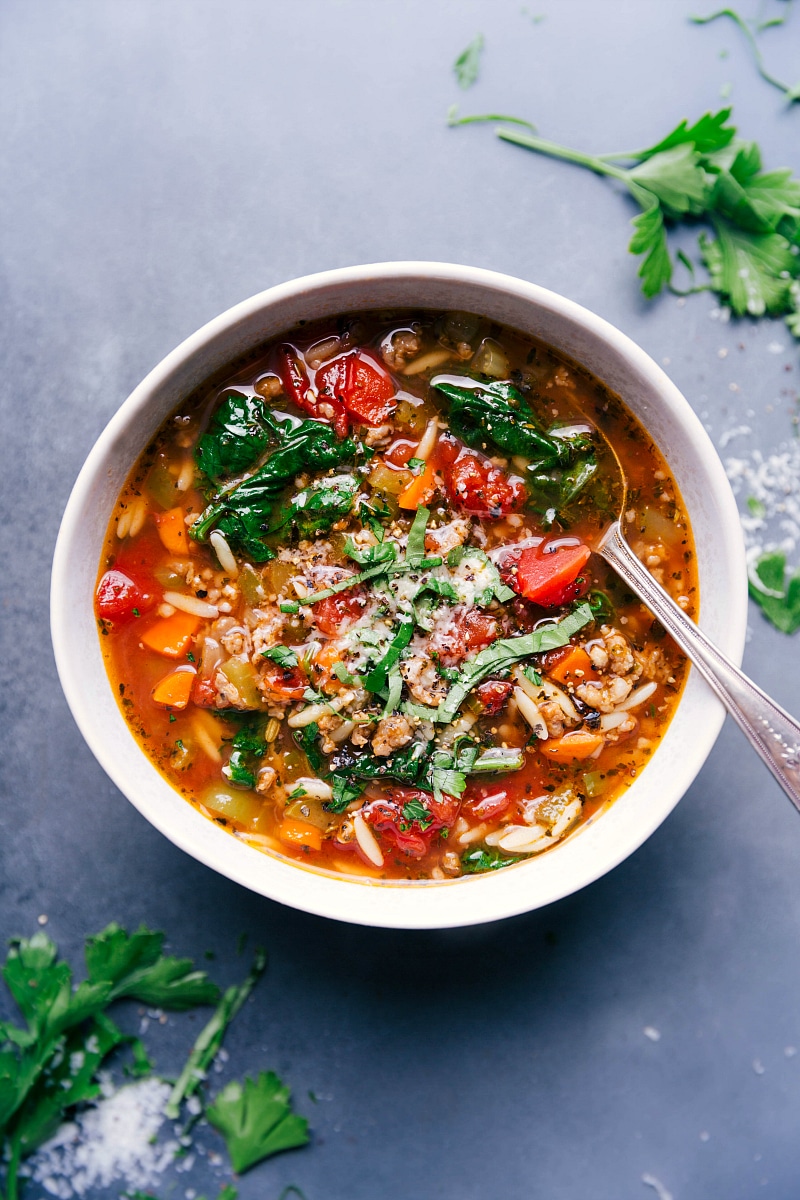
(598, 845)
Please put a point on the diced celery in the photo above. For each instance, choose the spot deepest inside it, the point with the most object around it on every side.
(250, 586)
(233, 803)
(243, 677)
(491, 359)
(384, 479)
(595, 783)
(309, 810)
(498, 758)
(161, 485)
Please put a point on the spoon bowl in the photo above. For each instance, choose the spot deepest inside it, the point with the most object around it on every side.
(773, 733)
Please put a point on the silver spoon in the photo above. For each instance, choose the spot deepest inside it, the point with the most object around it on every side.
(770, 730)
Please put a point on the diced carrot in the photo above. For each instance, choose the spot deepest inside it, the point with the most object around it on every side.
(300, 833)
(175, 689)
(575, 667)
(581, 743)
(171, 635)
(172, 530)
(322, 667)
(420, 490)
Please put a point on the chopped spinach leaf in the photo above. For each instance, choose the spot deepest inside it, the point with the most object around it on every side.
(306, 738)
(243, 513)
(510, 650)
(239, 432)
(315, 509)
(474, 862)
(415, 547)
(376, 680)
(497, 414)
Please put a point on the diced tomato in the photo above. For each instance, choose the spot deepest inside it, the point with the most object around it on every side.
(493, 695)
(548, 577)
(332, 612)
(356, 381)
(475, 485)
(287, 684)
(478, 629)
(370, 391)
(486, 801)
(387, 817)
(398, 454)
(204, 694)
(118, 597)
(297, 386)
(471, 630)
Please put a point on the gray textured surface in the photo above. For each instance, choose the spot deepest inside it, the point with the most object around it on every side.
(159, 162)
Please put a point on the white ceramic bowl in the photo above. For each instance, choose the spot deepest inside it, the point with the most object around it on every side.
(618, 362)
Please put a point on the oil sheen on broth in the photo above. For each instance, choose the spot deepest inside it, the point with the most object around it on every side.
(349, 606)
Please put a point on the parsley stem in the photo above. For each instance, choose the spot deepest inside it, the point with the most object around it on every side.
(552, 150)
(791, 93)
(210, 1038)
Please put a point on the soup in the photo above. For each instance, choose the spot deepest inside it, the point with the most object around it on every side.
(350, 608)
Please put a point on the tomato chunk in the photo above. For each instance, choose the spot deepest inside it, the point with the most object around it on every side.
(486, 801)
(331, 613)
(548, 577)
(357, 382)
(393, 816)
(118, 597)
(493, 695)
(297, 386)
(370, 391)
(471, 630)
(475, 485)
(284, 684)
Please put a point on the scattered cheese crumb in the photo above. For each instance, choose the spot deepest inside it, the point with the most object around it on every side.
(653, 1034)
(114, 1142)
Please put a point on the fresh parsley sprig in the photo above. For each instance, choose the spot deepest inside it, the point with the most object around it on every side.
(50, 1063)
(703, 172)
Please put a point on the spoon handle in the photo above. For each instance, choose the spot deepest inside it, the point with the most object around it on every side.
(771, 731)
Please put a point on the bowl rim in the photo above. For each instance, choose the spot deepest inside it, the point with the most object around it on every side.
(417, 905)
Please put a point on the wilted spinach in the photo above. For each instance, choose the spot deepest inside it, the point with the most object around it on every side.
(315, 509)
(244, 513)
(239, 432)
(249, 747)
(497, 413)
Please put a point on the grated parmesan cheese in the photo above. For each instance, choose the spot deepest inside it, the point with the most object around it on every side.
(767, 488)
(115, 1142)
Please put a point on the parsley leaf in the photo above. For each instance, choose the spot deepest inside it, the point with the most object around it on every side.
(467, 64)
(704, 171)
(50, 1063)
(791, 92)
(415, 810)
(284, 656)
(777, 598)
(752, 271)
(476, 861)
(256, 1120)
